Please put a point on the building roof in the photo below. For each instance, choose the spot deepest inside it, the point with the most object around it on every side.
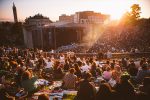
(37, 16)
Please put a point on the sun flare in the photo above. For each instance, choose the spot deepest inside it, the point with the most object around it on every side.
(116, 8)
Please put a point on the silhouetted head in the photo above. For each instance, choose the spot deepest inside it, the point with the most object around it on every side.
(144, 66)
(72, 70)
(104, 89)
(125, 77)
(43, 97)
(26, 75)
(87, 76)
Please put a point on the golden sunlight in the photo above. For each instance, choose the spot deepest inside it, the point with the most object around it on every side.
(116, 8)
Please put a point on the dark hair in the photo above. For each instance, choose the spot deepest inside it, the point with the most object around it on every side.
(43, 97)
(107, 62)
(76, 66)
(93, 66)
(104, 89)
(146, 81)
(20, 71)
(72, 70)
(125, 77)
(87, 75)
(26, 75)
(108, 69)
(144, 66)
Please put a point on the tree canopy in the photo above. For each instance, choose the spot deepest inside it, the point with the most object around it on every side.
(135, 11)
(132, 16)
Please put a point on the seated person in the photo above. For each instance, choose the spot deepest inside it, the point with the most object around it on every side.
(49, 66)
(57, 71)
(77, 71)
(95, 71)
(86, 90)
(144, 72)
(132, 69)
(28, 82)
(18, 76)
(146, 86)
(69, 80)
(4, 95)
(124, 88)
(107, 74)
(105, 92)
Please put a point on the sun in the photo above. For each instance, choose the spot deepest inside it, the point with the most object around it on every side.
(116, 8)
(117, 14)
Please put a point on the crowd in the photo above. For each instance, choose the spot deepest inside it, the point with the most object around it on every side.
(96, 48)
(93, 78)
(116, 38)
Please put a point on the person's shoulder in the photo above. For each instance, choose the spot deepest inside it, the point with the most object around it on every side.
(82, 81)
(67, 74)
(117, 85)
(34, 78)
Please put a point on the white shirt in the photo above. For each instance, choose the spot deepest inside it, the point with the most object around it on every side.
(62, 59)
(49, 64)
(137, 64)
(97, 63)
(85, 68)
(112, 82)
(109, 54)
(78, 59)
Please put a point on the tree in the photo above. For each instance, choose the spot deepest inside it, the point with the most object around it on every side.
(11, 34)
(17, 34)
(130, 18)
(135, 13)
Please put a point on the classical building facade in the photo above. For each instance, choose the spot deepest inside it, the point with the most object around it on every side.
(37, 20)
(40, 32)
(32, 30)
(63, 33)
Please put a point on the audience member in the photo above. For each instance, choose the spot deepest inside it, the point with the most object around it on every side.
(86, 90)
(69, 80)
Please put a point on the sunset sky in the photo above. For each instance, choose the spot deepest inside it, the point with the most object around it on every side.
(54, 8)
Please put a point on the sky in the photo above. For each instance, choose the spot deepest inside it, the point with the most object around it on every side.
(54, 8)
